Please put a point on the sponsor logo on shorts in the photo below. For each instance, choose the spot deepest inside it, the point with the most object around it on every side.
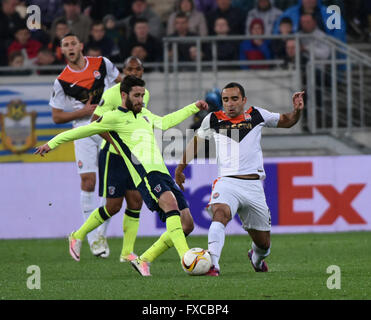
(97, 74)
(111, 190)
(80, 164)
(216, 195)
(158, 188)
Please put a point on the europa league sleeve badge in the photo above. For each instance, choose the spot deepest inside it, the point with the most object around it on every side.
(18, 127)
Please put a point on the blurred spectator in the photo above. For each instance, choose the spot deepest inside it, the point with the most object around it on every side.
(99, 39)
(235, 17)
(226, 50)
(16, 59)
(319, 12)
(196, 20)
(357, 15)
(266, 11)
(143, 45)
(93, 52)
(141, 10)
(309, 26)
(61, 29)
(24, 42)
(255, 49)
(278, 46)
(244, 5)
(290, 57)
(45, 57)
(95, 9)
(9, 21)
(78, 23)
(186, 50)
(50, 10)
(109, 22)
(205, 6)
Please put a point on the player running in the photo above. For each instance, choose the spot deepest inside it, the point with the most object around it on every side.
(238, 189)
(131, 130)
(115, 182)
(76, 92)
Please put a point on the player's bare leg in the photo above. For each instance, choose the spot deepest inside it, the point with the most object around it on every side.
(216, 237)
(130, 224)
(260, 249)
(88, 204)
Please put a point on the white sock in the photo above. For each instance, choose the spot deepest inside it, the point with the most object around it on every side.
(259, 255)
(216, 239)
(88, 205)
(102, 229)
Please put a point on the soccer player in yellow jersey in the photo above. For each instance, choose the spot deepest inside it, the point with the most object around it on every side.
(143, 158)
(115, 182)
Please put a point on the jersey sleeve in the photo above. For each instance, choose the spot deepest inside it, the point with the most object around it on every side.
(270, 118)
(58, 98)
(173, 119)
(112, 71)
(103, 124)
(205, 132)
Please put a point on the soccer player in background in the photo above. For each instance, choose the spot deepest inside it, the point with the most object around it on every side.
(76, 92)
(143, 158)
(238, 189)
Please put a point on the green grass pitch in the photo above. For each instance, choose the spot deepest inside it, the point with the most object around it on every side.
(298, 265)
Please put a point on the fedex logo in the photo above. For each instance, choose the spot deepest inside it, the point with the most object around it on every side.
(281, 193)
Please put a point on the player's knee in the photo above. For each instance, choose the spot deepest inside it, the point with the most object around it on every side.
(222, 215)
(113, 208)
(87, 184)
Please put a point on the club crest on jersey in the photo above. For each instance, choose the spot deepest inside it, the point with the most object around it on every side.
(111, 190)
(247, 116)
(145, 118)
(216, 195)
(158, 188)
(97, 74)
(80, 164)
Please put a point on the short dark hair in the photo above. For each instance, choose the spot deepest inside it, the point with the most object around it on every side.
(236, 85)
(70, 34)
(140, 20)
(286, 20)
(127, 60)
(129, 82)
(181, 15)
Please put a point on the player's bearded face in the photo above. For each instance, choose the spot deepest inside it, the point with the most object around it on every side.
(134, 100)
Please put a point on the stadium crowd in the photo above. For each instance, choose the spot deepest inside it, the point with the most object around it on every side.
(117, 29)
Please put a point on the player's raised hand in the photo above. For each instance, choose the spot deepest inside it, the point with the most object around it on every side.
(42, 149)
(89, 108)
(202, 105)
(179, 178)
(298, 100)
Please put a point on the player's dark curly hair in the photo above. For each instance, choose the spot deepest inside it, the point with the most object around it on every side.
(130, 81)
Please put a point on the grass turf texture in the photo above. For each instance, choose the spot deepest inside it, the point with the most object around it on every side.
(297, 270)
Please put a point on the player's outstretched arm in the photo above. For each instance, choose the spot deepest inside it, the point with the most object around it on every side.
(287, 120)
(173, 119)
(73, 134)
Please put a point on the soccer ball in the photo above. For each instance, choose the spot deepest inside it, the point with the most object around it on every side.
(196, 261)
